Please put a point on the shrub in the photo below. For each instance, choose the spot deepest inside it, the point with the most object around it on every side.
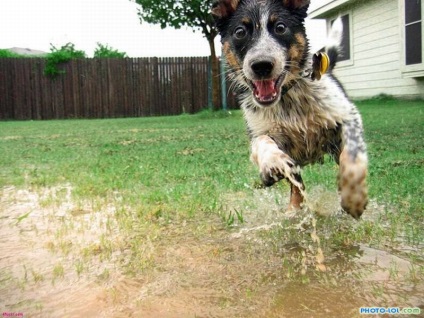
(7, 53)
(106, 51)
(59, 56)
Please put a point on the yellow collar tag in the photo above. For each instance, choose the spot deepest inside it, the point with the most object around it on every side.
(325, 63)
(320, 65)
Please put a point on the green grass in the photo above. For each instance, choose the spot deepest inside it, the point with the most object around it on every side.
(178, 168)
(179, 164)
(395, 134)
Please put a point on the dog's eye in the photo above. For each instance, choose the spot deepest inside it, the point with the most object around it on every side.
(240, 33)
(280, 28)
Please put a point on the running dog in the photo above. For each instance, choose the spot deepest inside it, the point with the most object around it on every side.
(294, 113)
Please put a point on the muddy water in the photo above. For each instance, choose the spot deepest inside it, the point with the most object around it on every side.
(62, 259)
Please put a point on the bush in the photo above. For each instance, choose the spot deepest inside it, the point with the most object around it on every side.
(59, 56)
(7, 53)
(105, 51)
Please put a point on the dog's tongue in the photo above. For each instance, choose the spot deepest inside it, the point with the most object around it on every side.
(265, 89)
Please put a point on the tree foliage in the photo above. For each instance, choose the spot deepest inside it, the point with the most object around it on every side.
(178, 13)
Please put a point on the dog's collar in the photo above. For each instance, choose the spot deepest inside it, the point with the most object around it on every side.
(304, 74)
(320, 66)
(287, 87)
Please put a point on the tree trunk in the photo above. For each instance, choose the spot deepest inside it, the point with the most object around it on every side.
(216, 91)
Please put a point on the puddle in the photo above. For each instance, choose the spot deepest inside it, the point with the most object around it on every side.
(61, 259)
(42, 270)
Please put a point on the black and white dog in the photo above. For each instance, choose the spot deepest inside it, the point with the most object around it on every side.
(293, 119)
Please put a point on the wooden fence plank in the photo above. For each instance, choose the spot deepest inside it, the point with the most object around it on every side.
(3, 90)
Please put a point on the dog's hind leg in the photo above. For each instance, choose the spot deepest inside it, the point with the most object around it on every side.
(296, 194)
(353, 168)
(275, 165)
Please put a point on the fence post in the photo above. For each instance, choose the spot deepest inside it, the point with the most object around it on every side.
(210, 83)
(223, 82)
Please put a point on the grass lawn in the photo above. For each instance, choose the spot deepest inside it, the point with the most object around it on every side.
(165, 171)
(180, 166)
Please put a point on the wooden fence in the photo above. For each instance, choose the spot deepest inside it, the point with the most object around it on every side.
(104, 88)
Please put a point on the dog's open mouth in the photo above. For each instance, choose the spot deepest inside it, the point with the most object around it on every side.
(267, 91)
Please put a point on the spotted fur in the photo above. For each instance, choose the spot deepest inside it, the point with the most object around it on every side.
(292, 120)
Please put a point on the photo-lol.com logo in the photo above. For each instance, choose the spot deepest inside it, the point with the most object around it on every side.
(389, 310)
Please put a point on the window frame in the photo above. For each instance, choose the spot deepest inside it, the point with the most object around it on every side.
(350, 61)
(412, 70)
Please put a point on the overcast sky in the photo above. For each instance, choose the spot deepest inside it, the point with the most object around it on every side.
(35, 24)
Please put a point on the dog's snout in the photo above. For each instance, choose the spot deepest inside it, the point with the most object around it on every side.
(263, 67)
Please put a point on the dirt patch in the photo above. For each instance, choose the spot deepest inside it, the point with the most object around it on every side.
(65, 259)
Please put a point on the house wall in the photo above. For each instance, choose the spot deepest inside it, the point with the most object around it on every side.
(375, 67)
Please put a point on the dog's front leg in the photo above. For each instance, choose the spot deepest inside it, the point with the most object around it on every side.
(275, 165)
(353, 169)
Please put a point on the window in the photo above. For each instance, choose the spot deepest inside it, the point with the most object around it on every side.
(413, 32)
(345, 45)
(411, 14)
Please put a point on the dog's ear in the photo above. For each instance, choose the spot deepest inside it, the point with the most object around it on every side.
(296, 4)
(224, 8)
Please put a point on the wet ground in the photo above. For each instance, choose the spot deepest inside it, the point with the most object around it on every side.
(62, 259)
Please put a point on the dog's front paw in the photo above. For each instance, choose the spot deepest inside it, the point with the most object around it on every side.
(277, 166)
(273, 163)
(271, 175)
(352, 185)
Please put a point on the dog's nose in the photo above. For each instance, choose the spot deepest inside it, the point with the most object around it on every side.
(262, 68)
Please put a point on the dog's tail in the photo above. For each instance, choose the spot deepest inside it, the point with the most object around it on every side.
(332, 47)
(325, 59)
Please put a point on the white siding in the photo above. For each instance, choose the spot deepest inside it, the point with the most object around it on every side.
(376, 53)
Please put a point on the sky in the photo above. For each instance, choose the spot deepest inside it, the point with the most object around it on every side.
(37, 24)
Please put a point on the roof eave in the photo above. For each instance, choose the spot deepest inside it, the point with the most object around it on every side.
(328, 9)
